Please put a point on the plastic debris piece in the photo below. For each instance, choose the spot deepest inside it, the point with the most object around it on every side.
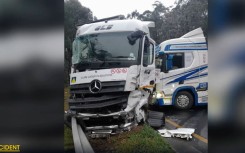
(179, 132)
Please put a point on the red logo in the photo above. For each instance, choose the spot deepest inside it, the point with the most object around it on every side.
(124, 70)
(118, 70)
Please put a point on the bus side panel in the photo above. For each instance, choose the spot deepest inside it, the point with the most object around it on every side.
(202, 88)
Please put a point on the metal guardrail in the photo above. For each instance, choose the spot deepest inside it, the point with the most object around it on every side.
(80, 140)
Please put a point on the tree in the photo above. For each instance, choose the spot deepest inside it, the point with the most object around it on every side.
(75, 15)
(174, 22)
(188, 15)
(133, 15)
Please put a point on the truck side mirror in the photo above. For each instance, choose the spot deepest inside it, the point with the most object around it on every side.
(147, 42)
(146, 52)
(134, 36)
(167, 62)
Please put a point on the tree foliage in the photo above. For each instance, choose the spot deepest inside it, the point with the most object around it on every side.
(75, 15)
(174, 22)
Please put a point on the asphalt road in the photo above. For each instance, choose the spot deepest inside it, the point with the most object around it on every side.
(194, 118)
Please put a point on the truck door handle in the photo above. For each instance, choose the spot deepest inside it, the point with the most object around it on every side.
(181, 82)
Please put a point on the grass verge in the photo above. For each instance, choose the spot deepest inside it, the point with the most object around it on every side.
(68, 140)
(141, 139)
(146, 140)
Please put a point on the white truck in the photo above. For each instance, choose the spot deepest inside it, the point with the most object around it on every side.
(184, 71)
(113, 76)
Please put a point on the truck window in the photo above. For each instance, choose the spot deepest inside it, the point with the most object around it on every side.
(148, 56)
(178, 61)
(107, 47)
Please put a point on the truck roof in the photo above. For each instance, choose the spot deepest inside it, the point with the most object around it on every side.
(116, 26)
(193, 40)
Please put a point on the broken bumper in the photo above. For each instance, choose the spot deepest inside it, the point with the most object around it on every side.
(101, 124)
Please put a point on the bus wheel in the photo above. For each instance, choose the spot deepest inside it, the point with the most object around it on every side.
(183, 100)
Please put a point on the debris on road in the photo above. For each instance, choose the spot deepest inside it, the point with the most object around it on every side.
(179, 132)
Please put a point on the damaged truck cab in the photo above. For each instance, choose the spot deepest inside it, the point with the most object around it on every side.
(112, 75)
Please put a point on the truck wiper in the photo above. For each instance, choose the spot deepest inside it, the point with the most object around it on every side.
(99, 67)
(89, 61)
(109, 63)
(122, 57)
(94, 59)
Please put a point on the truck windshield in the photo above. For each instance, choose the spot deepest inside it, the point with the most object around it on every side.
(105, 47)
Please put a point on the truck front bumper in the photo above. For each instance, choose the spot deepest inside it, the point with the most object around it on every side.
(99, 125)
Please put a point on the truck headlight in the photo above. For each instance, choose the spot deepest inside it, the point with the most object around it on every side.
(156, 95)
(160, 94)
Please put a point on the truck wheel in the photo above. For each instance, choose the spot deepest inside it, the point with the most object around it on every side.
(155, 123)
(183, 100)
(156, 119)
(155, 115)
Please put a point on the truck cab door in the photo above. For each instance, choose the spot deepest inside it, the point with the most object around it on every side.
(147, 70)
(173, 71)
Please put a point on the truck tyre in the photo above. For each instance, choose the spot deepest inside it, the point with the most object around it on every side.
(156, 115)
(156, 119)
(155, 123)
(183, 100)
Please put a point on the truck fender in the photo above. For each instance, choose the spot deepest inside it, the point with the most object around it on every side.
(140, 113)
(133, 99)
(186, 88)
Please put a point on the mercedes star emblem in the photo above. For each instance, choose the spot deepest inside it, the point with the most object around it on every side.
(95, 86)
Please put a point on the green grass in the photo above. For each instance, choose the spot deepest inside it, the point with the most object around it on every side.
(66, 97)
(68, 140)
(146, 140)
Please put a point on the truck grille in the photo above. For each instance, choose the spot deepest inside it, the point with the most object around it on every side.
(111, 98)
(115, 86)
